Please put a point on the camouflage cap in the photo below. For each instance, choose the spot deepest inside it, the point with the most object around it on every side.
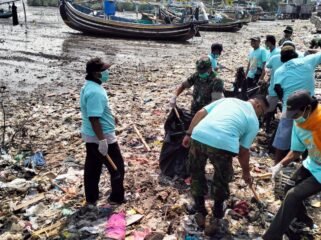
(203, 64)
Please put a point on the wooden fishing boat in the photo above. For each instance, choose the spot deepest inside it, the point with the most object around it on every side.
(229, 26)
(5, 14)
(86, 22)
(222, 27)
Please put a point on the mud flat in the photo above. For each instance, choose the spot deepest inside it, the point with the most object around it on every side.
(42, 68)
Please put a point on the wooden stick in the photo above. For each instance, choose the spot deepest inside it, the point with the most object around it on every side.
(49, 228)
(177, 114)
(264, 176)
(256, 196)
(111, 162)
(141, 138)
(29, 202)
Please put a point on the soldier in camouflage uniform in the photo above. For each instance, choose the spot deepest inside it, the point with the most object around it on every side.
(207, 87)
(219, 131)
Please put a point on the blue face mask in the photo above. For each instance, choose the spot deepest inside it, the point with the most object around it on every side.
(204, 75)
(104, 76)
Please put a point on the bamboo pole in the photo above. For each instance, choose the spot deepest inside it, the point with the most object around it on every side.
(111, 162)
(141, 138)
(256, 196)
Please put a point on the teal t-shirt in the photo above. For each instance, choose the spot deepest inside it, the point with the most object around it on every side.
(297, 74)
(213, 61)
(274, 63)
(230, 122)
(94, 103)
(275, 51)
(302, 139)
(256, 59)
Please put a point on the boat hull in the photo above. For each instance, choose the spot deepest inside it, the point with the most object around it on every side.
(223, 27)
(108, 28)
(6, 15)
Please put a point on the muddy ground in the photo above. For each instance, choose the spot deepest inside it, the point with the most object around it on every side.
(43, 68)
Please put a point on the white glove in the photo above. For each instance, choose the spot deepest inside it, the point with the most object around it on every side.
(172, 102)
(103, 147)
(276, 169)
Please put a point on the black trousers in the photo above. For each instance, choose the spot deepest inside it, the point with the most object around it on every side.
(293, 207)
(93, 166)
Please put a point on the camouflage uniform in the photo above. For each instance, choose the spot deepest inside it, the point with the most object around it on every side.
(222, 161)
(205, 90)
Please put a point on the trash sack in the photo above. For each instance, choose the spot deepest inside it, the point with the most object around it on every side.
(173, 155)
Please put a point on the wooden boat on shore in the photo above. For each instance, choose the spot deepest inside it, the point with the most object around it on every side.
(5, 14)
(228, 26)
(222, 27)
(119, 27)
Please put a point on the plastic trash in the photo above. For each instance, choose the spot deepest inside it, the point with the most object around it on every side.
(19, 184)
(35, 210)
(36, 160)
(116, 226)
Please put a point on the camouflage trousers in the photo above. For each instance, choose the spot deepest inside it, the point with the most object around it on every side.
(195, 107)
(223, 171)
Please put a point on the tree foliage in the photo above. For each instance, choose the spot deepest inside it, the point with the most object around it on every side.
(269, 5)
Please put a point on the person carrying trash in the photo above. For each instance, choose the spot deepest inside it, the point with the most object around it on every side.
(98, 131)
(306, 134)
(207, 87)
(218, 132)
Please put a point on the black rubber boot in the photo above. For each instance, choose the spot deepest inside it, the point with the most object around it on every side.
(199, 210)
(198, 207)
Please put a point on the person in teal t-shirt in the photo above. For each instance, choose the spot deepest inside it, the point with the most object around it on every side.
(216, 52)
(273, 64)
(295, 74)
(270, 42)
(219, 131)
(304, 109)
(98, 131)
(256, 65)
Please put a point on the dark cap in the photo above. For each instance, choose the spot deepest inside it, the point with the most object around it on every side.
(288, 29)
(203, 64)
(96, 65)
(297, 101)
(255, 39)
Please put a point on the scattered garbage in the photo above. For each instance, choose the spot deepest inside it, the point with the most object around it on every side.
(41, 164)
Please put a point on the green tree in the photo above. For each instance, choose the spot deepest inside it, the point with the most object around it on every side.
(269, 5)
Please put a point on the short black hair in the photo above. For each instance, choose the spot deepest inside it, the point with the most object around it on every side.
(94, 65)
(271, 39)
(263, 99)
(217, 46)
(288, 53)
